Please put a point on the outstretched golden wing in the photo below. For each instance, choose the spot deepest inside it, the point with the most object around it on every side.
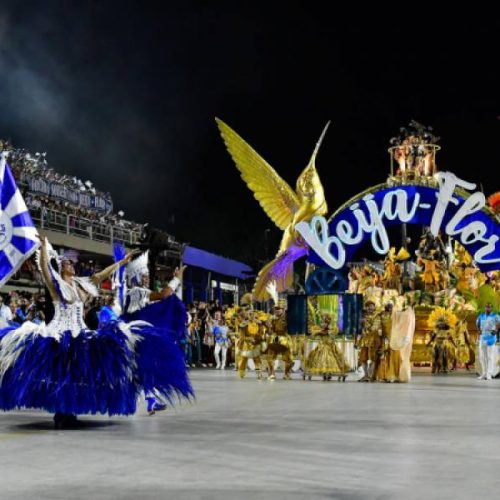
(275, 196)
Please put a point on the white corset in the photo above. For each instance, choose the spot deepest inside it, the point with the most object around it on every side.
(67, 318)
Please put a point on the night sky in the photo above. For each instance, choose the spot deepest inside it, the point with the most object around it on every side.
(125, 94)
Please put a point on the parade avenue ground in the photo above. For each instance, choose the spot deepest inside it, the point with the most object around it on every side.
(434, 438)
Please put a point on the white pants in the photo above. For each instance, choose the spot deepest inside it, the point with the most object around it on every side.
(218, 349)
(486, 355)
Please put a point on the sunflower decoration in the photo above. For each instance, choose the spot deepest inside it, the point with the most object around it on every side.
(494, 201)
(441, 316)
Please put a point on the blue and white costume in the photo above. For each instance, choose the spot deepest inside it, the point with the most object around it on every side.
(168, 317)
(65, 368)
(488, 357)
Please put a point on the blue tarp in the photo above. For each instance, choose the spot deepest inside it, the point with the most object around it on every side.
(215, 263)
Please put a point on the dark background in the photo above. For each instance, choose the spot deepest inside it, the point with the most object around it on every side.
(125, 94)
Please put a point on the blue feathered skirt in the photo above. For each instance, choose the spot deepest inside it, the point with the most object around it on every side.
(168, 314)
(103, 371)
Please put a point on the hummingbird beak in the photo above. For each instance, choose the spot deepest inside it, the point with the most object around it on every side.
(318, 144)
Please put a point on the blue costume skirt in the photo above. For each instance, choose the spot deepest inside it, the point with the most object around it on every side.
(168, 314)
(102, 371)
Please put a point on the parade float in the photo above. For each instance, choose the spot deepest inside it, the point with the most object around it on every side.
(454, 267)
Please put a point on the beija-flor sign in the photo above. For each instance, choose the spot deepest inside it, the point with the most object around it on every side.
(334, 242)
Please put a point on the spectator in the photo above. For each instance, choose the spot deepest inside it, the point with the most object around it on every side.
(106, 315)
(5, 312)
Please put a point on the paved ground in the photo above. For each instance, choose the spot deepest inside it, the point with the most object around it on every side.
(436, 438)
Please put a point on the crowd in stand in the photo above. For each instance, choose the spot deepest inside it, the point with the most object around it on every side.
(22, 162)
(18, 307)
(29, 270)
(25, 165)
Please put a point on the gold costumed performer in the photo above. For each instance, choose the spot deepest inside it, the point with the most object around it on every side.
(369, 343)
(391, 279)
(442, 322)
(402, 332)
(326, 358)
(390, 359)
(251, 333)
(278, 340)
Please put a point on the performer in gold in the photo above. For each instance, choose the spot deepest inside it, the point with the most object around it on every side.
(369, 343)
(464, 350)
(442, 321)
(326, 358)
(368, 279)
(354, 279)
(431, 275)
(279, 342)
(390, 359)
(392, 272)
(249, 344)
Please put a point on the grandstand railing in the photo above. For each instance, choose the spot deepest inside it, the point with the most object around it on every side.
(60, 222)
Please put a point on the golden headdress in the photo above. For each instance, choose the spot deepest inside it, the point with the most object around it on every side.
(442, 315)
(246, 300)
(282, 303)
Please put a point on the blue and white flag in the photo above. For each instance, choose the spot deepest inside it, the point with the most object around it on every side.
(18, 234)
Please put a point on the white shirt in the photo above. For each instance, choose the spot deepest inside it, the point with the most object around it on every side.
(6, 313)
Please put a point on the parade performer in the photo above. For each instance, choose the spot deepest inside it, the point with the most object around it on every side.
(251, 334)
(326, 358)
(391, 279)
(442, 322)
(390, 359)
(402, 332)
(433, 275)
(67, 369)
(354, 277)
(488, 323)
(279, 342)
(368, 280)
(464, 353)
(163, 309)
(369, 343)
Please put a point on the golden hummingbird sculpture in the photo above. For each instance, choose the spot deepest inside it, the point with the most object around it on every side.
(282, 204)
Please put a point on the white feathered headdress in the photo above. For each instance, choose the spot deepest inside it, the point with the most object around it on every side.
(138, 267)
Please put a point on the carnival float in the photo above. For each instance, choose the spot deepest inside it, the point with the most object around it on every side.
(415, 305)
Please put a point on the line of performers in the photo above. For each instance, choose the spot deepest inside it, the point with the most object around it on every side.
(383, 347)
(382, 354)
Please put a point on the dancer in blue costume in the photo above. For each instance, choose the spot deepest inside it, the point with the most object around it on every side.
(163, 309)
(67, 369)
